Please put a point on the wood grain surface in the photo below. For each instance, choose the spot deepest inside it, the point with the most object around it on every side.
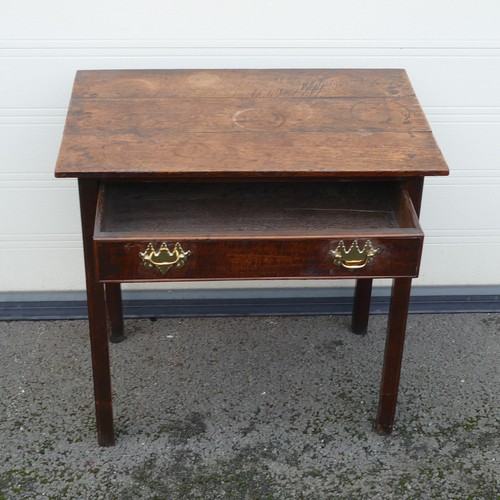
(276, 258)
(118, 84)
(255, 230)
(258, 209)
(249, 123)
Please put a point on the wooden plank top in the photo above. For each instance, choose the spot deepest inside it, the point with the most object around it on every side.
(246, 123)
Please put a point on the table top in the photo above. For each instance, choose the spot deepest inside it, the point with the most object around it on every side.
(246, 123)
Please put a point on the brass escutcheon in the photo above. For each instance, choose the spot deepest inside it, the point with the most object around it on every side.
(354, 258)
(164, 259)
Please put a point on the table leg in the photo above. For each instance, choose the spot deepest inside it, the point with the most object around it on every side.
(100, 364)
(98, 322)
(115, 311)
(396, 329)
(361, 307)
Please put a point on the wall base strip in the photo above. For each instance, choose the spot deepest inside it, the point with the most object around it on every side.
(251, 302)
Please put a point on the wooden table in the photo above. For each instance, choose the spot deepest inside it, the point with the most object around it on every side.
(248, 174)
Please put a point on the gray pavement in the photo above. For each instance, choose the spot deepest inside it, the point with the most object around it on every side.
(252, 408)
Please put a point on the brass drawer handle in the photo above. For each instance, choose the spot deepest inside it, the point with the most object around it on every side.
(164, 259)
(354, 258)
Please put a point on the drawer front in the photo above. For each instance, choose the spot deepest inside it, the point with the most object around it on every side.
(258, 258)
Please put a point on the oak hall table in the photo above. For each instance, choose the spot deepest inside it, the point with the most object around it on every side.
(248, 174)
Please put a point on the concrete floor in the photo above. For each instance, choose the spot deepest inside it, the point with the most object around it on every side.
(252, 408)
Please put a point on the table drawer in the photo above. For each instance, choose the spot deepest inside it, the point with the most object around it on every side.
(253, 231)
(247, 259)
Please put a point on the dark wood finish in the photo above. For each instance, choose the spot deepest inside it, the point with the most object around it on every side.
(362, 297)
(414, 187)
(88, 190)
(224, 259)
(260, 174)
(252, 123)
(396, 330)
(361, 306)
(296, 227)
(241, 210)
(115, 312)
